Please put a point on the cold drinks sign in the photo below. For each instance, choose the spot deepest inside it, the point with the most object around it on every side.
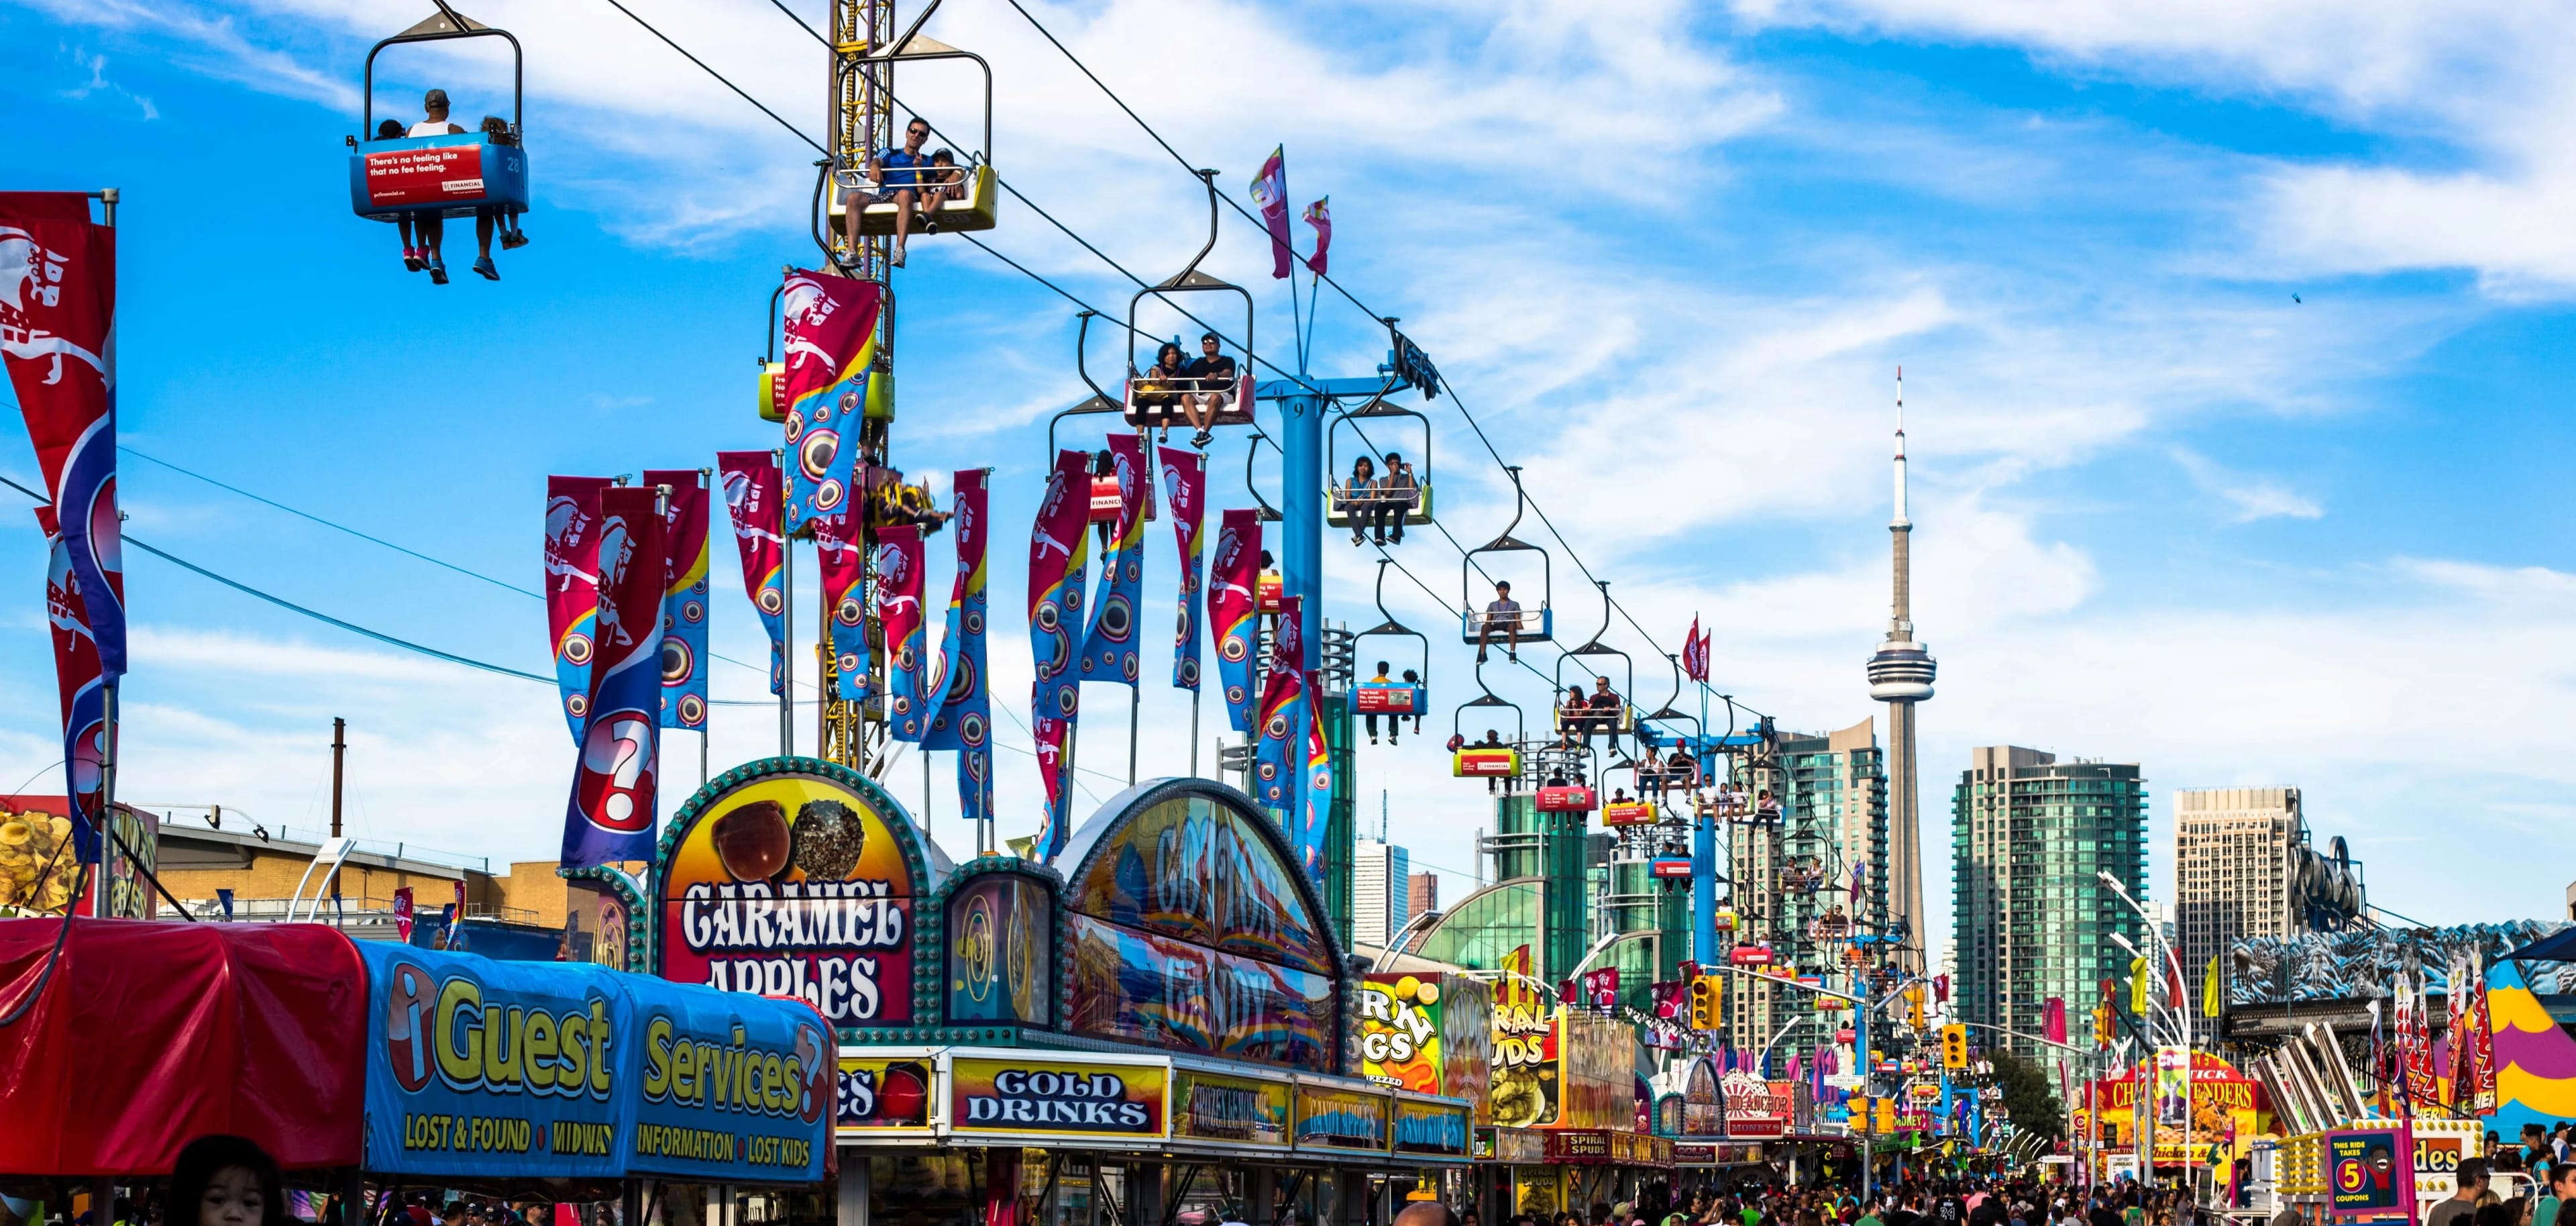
(788, 879)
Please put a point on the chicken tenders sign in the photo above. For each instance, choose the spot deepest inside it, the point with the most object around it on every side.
(793, 877)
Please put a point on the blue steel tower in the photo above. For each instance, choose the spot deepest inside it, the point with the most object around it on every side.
(1900, 675)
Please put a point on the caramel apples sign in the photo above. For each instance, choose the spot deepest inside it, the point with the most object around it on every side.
(794, 877)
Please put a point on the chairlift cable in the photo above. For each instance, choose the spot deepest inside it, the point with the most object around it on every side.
(343, 624)
(335, 525)
(728, 84)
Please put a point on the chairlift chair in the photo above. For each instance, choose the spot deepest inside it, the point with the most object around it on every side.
(1588, 720)
(1337, 500)
(1148, 402)
(454, 175)
(1392, 697)
(1476, 761)
(1535, 625)
(973, 210)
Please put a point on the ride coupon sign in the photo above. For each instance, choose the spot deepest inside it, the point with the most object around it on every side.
(424, 176)
(2370, 1175)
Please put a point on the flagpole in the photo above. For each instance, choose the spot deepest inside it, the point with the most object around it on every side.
(786, 628)
(107, 691)
(1135, 713)
(1194, 732)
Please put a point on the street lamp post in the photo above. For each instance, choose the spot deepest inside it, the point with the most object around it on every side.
(2182, 1024)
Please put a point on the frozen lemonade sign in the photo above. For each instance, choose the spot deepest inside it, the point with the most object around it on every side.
(793, 879)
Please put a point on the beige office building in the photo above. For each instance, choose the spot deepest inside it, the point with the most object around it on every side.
(2235, 868)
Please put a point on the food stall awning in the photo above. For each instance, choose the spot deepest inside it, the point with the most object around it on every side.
(146, 1035)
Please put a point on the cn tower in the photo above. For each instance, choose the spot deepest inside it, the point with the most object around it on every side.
(1900, 675)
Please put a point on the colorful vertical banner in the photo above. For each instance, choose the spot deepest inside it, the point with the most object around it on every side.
(1185, 488)
(845, 608)
(898, 584)
(964, 720)
(2052, 1014)
(1695, 653)
(1601, 988)
(1270, 194)
(1053, 737)
(84, 691)
(1109, 648)
(1315, 810)
(58, 337)
(402, 914)
(751, 497)
(1059, 551)
(610, 817)
(1234, 577)
(831, 330)
(572, 587)
(1320, 216)
(684, 596)
(1279, 759)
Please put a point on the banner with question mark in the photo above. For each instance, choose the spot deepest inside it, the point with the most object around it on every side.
(611, 815)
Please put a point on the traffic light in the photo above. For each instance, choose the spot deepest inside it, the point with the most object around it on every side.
(1914, 1003)
(2104, 1029)
(1707, 1001)
(1954, 1046)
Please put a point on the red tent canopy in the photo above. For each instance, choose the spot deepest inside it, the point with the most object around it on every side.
(152, 1034)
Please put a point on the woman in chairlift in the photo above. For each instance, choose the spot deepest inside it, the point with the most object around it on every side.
(1359, 499)
(1395, 497)
(1158, 390)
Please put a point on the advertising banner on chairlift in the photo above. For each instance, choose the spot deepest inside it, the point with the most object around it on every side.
(1234, 574)
(964, 720)
(898, 584)
(845, 608)
(751, 498)
(1109, 648)
(1185, 485)
(611, 813)
(572, 587)
(684, 597)
(1279, 759)
(830, 342)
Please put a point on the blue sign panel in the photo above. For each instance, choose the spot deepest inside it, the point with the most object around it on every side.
(504, 1070)
(733, 1088)
(494, 1069)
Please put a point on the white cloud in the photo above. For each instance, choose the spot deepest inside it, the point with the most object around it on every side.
(2249, 497)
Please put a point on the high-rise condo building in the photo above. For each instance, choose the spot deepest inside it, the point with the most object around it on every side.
(2029, 838)
(1380, 893)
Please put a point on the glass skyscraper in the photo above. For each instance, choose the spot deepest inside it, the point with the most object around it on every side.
(2033, 920)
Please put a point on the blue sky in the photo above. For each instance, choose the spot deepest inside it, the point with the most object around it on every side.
(1671, 255)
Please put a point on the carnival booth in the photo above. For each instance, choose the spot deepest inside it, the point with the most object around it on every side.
(1572, 1119)
(369, 1065)
(1152, 1020)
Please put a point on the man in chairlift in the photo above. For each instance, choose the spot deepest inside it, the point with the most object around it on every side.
(1396, 495)
(1506, 613)
(899, 175)
(1211, 388)
(1605, 707)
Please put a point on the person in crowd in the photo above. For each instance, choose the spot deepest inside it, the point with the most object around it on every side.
(1213, 383)
(221, 1180)
(898, 174)
(2460, 1208)
(1503, 613)
(1359, 499)
(428, 223)
(2554, 1194)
